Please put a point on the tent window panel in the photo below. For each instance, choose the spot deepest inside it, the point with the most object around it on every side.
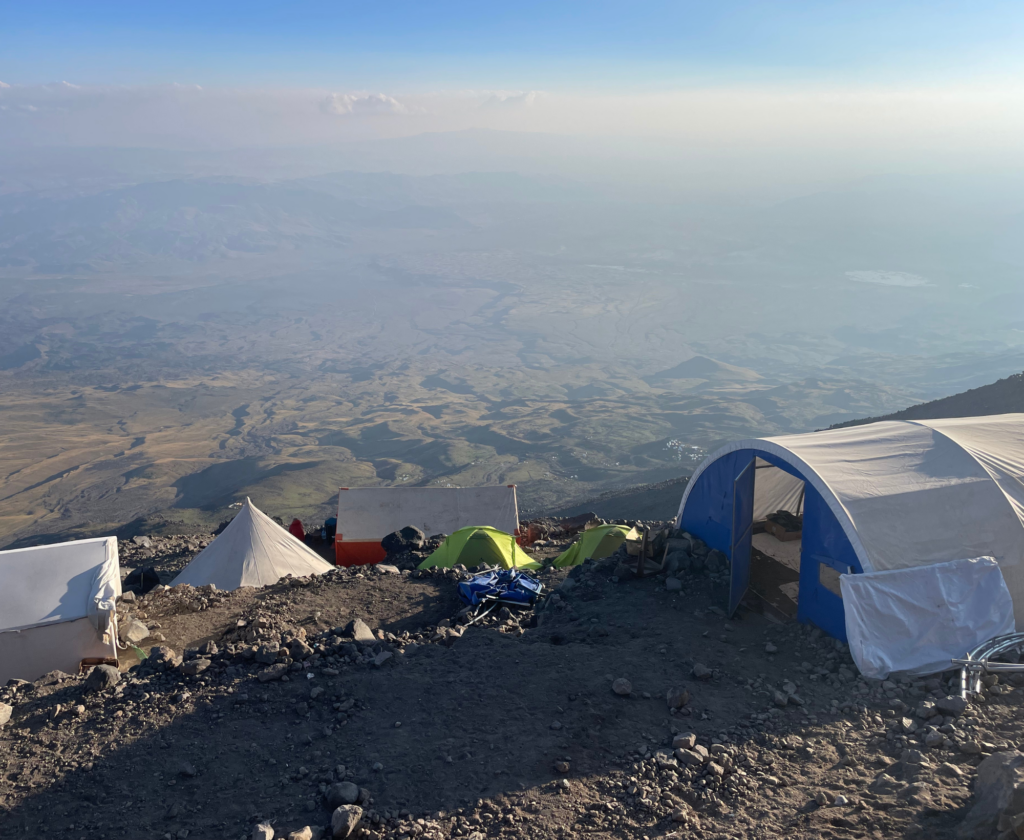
(829, 578)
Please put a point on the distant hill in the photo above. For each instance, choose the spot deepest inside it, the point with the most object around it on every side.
(1003, 397)
(701, 367)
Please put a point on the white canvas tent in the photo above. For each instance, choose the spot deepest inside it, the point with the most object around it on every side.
(57, 607)
(368, 514)
(881, 497)
(252, 551)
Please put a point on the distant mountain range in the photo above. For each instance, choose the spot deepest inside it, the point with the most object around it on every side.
(1003, 397)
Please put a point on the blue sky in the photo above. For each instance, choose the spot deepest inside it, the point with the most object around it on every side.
(423, 45)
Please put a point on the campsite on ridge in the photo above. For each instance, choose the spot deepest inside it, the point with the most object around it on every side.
(512, 421)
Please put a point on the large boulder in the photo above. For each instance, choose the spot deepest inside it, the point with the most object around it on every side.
(102, 677)
(409, 538)
(998, 797)
(342, 793)
(345, 820)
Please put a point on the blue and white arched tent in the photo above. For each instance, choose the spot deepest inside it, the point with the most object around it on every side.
(885, 496)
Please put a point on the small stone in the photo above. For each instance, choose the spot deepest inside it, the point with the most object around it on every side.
(102, 677)
(162, 657)
(934, 739)
(677, 698)
(360, 631)
(950, 770)
(556, 725)
(701, 671)
(263, 831)
(840, 800)
(770, 648)
(135, 632)
(377, 767)
(382, 657)
(6, 710)
(780, 699)
(194, 667)
(970, 748)
(823, 798)
(684, 741)
(128, 597)
(345, 820)
(187, 769)
(622, 687)
(715, 769)
(208, 648)
(342, 793)
(274, 672)
(562, 767)
(315, 692)
(953, 706)
(689, 758)
(304, 833)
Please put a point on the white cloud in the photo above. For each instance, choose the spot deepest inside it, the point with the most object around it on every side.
(510, 99)
(4, 85)
(888, 278)
(362, 104)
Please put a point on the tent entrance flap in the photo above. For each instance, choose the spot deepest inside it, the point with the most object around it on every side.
(742, 533)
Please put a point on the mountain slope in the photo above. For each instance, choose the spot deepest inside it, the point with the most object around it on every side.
(1003, 397)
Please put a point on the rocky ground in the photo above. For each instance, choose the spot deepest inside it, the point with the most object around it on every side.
(360, 702)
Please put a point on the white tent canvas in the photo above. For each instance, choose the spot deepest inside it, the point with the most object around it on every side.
(252, 551)
(57, 607)
(902, 494)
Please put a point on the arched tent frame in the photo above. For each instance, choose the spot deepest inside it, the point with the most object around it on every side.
(828, 536)
(879, 497)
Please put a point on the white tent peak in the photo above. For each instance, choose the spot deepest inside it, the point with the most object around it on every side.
(252, 551)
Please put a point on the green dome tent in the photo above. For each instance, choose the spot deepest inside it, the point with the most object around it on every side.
(475, 545)
(594, 544)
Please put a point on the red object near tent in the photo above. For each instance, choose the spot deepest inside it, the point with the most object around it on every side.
(295, 529)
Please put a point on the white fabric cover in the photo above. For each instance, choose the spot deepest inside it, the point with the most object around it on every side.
(57, 607)
(914, 493)
(252, 551)
(916, 620)
(371, 513)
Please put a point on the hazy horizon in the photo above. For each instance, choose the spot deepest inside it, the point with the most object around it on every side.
(250, 250)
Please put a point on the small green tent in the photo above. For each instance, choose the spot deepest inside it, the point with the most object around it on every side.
(475, 545)
(594, 544)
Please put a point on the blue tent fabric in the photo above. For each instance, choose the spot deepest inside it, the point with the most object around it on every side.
(708, 515)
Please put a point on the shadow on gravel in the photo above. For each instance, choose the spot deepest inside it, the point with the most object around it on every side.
(434, 730)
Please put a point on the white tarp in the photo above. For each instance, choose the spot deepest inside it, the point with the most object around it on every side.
(57, 607)
(252, 551)
(371, 513)
(916, 493)
(916, 620)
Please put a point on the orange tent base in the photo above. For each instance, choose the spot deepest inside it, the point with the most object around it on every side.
(357, 552)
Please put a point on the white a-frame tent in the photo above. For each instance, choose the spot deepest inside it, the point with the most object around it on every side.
(57, 607)
(252, 551)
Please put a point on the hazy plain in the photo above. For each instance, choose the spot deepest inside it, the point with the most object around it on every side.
(180, 330)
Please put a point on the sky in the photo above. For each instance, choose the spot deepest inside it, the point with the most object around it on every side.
(874, 83)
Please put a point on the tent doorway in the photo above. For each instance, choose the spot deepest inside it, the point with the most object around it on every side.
(777, 543)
